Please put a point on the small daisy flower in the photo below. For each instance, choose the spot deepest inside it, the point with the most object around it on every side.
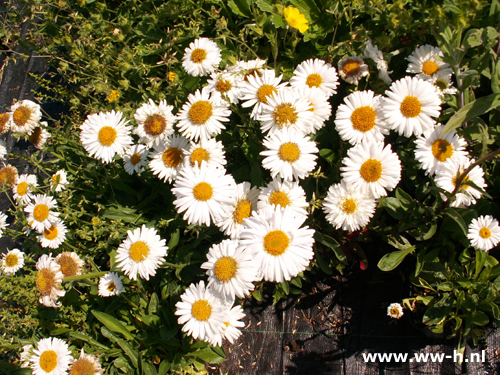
(256, 90)
(426, 63)
(360, 119)
(284, 194)
(232, 322)
(289, 154)
(446, 178)
(245, 201)
(202, 116)
(105, 134)
(24, 357)
(295, 19)
(3, 149)
(24, 187)
(371, 168)
(320, 106)
(352, 69)
(110, 285)
(410, 106)
(4, 122)
(86, 365)
(378, 57)
(348, 208)
(155, 122)
(201, 312)
(25, 116)
(280, 246)
(141, 253)
(316, 73)
(53, 236)
(208, 150)
(202, 57)
(135, 158)
(39, 135)
(71, 264)
(59, 180)
(8, 176)
(230, 269)
(48, 281)
(443, 85)
(3, 223)
(51, 357)
(203, 193)
(167, 157)
(40, 212)
(248, 68)
(484, 232)
(224, 86)
(395, 310)
(433, 148)
(12, 261)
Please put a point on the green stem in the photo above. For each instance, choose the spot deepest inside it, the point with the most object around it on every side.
(85, 276)
(173, 265)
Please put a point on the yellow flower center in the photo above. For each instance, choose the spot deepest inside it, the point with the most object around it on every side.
(139, 251)
(223, 86)
(135, 159)
(363, 118)
(8, 175)
(111, 287)
(48, 360)
(394, 311)
(41, 212)
(484, 233)
(242, 211)
(68, 265)
(276, 242)
(35, 137)
(11, 260)
(155, 124)
(45, 281)
(172, 157)
(429, 68)
(200, 112)
(314, 80)
(203, 191)
(264, 91)
(198, 55)
(351, 68)
(82, 367)
(285, 115)
(22, 188)
(289, 152)
(349, 206)
(50, 233)
(4, 119)
(278, 197)
(442, 149)
(107, 135)
(198, 155)
(371, 170)
(411, 107)
(21, 115)
(225, 269)
(201, 310)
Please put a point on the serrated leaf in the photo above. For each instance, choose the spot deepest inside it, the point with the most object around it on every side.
(113, 324)
(265, 5)
(278, 20)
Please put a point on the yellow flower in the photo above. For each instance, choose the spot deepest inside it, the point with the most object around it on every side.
(171, 76)
(295, 19)
(113, 96)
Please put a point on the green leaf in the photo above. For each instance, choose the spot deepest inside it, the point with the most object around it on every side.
(129, 352)
(495, 311)
(278, 20)
(435, 315)
(83, 337)
(240, 7)
(207, 355)
(332, 244)
(153, 304)
(113, 324)
(392, 260)
(452, 213)
(405, 199)
(392, 206)
(327, 154)
(286, 287)
(446, 286)
(480, 318)
(164, 367)
(265, 5)
(174, 239)
(495, 77)
(257, 294)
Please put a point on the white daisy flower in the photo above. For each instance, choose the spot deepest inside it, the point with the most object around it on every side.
(3, 223)
(433, 148)
(208, 150)
(105, 134)
(348, 208)
(245, 201)
(12, 261)
(110, 285)
(320, 106)
(48, 281)
(203, 193)
(284, 194)
(40, 212)
(316, 73)
(24, 187)
(155, 122)
(289, 154)
(202, 116)
(443, 85)
(410, 106)
(371, 168)
(202, 57)
(352, 69)
(5, 122)
(201, 312)
(39, 135)
(484, 232)
(230, 269)
(24, 357)
(378, 57)
(59, 180)
(280, 246)
(426, 62)
(3, 149)
(223, 86)
(167, 157)
(256, 90)
(51, 357)
(53, 236)
(244, 69)
(135, 158)
(86, 365)
(71, 264)
(232, 322)
(360, 119)
(25, 116)
(395, 310)
(141, 253)
(8, 176)
(446, 178)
